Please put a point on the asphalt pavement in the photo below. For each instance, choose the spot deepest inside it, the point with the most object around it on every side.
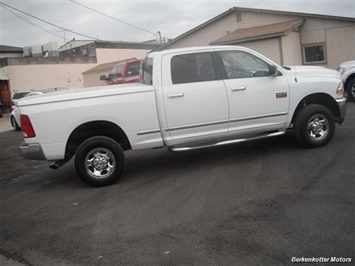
(5, 124)
(267, 202)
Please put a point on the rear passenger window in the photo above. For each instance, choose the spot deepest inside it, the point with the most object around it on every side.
(196, 67)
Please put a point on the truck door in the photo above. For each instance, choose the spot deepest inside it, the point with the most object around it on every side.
(195, 98)
(258, 101)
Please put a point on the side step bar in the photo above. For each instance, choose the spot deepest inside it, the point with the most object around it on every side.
(226, 142)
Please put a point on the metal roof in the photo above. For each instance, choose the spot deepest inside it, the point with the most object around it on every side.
(10, 49)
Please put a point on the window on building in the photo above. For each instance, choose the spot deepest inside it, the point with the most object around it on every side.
(314, 54)
(238, 16)
(195, 67)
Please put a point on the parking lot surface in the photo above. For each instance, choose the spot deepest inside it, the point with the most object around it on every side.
(5, 124)
(267, 202)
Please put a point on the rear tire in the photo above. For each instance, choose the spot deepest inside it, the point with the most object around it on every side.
(100, 161)
(314, 126)
(350, 89)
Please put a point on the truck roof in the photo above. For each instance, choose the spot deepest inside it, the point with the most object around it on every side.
(197, 48)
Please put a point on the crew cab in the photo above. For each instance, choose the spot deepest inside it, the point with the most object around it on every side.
(124, 72)
(187, 98)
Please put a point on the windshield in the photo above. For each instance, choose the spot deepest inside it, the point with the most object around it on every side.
(19, 95)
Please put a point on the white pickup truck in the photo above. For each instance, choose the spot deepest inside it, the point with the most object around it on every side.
(187, 98)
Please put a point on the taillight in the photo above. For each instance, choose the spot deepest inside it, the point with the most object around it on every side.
(26, 126)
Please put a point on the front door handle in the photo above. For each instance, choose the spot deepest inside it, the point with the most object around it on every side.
(238, 88)
(176, 95)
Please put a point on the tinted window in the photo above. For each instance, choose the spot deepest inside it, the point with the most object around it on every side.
(133, 68)
(19, 95)
(192, 68)
(146, 71)
(240, 64)
(116, 72)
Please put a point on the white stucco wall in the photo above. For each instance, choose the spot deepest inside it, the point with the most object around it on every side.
(340, 45)
(208, 34)
(291, 49)
(105, 55)
(269, 48)
(229, 23)
(27, 77)
(338, 36)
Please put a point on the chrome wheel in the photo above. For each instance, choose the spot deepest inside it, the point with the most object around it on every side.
(352, 91)
(318, 127)
(100, 163)
(314, 126)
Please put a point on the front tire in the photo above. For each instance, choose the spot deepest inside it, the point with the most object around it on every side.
(314, 126)
(350, 89)
(100, 161)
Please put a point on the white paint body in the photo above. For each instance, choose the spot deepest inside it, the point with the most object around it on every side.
(151, 118)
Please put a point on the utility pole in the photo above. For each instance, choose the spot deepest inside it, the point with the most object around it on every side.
(160, 37)
(65, 40)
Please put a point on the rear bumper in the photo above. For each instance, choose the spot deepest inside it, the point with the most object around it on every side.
(32, 151)
(342, 109)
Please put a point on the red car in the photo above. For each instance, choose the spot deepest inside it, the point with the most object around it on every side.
(125, 72)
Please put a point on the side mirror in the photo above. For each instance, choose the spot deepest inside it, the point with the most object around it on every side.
(103, 77)
(273, 70)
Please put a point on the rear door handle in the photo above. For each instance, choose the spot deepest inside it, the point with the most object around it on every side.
(176, 95)
(238, 88)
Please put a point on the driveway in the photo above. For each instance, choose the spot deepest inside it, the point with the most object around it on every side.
(267, 202)
(5, 124)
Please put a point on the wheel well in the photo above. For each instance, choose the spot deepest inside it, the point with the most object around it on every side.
(96, 128)
(12, 117)
(351, 77)
(321, 99)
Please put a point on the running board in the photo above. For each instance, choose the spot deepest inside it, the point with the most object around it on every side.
(226, 142)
